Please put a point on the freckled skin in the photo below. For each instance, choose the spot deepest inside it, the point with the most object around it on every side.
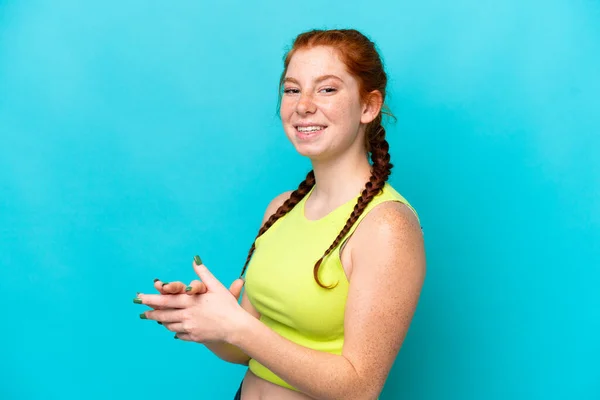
(317, 102)
(384, 259)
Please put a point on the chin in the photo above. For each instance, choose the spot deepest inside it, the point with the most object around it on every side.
(307, 149)
(312, 152)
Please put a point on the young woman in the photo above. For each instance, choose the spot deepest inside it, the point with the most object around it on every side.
(335, 273)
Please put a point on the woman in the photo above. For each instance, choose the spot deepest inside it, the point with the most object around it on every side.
(335, 273)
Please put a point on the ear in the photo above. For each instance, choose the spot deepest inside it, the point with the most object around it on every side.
(372, 107)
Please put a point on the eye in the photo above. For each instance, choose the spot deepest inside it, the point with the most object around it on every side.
(289, 91)
(329, 90)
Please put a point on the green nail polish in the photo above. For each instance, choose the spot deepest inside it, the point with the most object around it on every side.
(156, 280)
(175, 337)
(143, 316)
(158, 322)
(165, 283)
(137, 300)
(198, 260)
(187, 289)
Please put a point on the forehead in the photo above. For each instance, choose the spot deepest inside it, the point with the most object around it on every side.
(316, 61)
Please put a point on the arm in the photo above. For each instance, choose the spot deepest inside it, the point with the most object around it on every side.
(227, 351)
(388, 270)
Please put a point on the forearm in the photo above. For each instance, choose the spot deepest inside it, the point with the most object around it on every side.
(319, 374)
(228, 352)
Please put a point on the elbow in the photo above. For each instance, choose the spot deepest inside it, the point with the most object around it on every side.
(241, 361)
(235, 360)
(362, 393)
(361, 388)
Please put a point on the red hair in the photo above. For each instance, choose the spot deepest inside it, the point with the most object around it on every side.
(363, 62)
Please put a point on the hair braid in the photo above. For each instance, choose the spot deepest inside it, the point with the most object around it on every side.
(361, 58)
(381, 170)
(294, 199)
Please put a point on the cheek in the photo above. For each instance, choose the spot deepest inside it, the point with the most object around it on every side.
(341, 116)
(286, 108)
(339, 110)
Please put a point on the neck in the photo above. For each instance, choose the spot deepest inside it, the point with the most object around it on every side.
(340, 179)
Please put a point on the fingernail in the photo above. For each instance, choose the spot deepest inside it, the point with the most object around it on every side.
(187, 289)
(197, 260)
(137, 300)
(156, 280)
(175, 337)
(158, 322)
(165, 283)
(143, 316)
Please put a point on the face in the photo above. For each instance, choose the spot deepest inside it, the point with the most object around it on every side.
(321, 111)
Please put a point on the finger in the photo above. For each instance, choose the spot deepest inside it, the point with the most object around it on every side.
(163, 316)
(165, 301)
(184, 336)
(236, 288)
(196, 287)
(174, 327)
(158, 285)
(136, 300)
(174, 288)
(207, 277)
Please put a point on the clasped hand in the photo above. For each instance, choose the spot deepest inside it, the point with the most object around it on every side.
(205, 311)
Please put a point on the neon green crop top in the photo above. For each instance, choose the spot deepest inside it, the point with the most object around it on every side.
(281, 286)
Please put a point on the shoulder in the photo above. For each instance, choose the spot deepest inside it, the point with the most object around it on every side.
(392, 234)
(275, 204)
(392, 217)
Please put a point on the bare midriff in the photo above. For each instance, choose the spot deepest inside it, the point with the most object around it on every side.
(255, 388)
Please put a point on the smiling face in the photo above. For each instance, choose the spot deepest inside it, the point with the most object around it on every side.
(321, 111)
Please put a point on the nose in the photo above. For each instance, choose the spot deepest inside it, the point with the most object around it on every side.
(305, 104)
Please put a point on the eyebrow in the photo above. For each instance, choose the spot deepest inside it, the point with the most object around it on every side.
(317, 80)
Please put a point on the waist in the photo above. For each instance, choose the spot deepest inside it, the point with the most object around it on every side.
(265, 374)
(256, 387)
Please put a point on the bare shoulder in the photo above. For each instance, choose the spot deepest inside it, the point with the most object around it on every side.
(393, 232)
(276, 203)
(390, 218)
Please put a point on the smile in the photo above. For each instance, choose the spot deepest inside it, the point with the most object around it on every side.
(310, 128)
(309, 132)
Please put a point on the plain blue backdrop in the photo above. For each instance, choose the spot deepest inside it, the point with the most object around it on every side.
(136, 134)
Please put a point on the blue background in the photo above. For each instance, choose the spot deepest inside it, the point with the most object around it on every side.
(137, 134)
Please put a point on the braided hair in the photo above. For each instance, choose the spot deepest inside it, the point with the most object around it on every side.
(363, 61)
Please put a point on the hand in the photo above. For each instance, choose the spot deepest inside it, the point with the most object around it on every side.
(205, 317)
(174, 288)
(195, 287)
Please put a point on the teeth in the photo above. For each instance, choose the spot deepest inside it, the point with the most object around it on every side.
(310, 128)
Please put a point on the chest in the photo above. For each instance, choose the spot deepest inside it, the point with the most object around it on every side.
(280, 280)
